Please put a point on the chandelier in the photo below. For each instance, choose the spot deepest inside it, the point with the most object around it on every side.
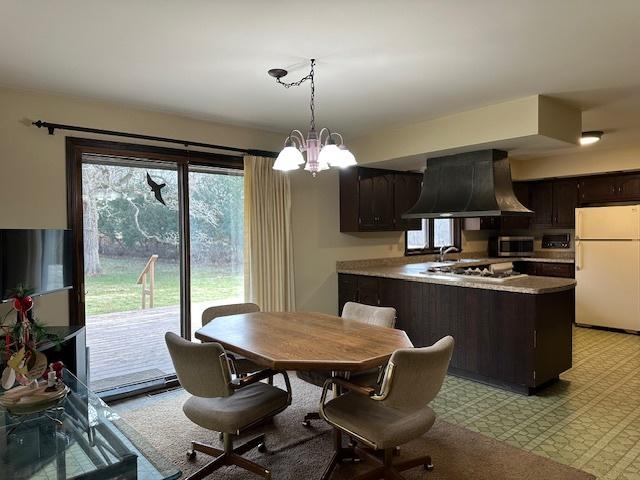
(322, 149)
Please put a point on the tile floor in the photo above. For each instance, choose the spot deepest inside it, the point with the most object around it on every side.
(590, 419)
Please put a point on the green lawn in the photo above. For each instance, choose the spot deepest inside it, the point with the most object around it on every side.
(115, 290)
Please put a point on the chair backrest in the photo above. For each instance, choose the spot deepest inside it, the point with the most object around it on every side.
(418, 374)
(232, 309)
(380, 316)
(202, 368)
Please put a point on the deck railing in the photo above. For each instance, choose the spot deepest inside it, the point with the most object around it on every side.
(150, 270)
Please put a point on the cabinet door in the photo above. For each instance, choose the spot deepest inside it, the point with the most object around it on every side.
(383, 201)
(368, 290)
(527, 268)
(597, 189)
(347, 290)
(366, 216)
(541, 199)
(406, 190)
(628, 187)
(565, 201)
(563, 270)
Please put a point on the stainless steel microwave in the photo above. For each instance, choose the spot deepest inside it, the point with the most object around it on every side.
(511, 246)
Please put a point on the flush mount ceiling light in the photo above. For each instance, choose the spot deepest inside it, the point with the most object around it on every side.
(588, 138)
(322, 149)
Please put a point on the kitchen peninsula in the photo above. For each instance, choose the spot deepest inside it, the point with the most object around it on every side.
(515, 334)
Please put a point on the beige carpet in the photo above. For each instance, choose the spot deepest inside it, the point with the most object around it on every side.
(296, 452)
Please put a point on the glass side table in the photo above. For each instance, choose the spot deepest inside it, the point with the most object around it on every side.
(80, 438)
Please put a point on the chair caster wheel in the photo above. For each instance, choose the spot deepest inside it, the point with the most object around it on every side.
(262, 447)
(306, 423)
(191, 454)
(428, 467)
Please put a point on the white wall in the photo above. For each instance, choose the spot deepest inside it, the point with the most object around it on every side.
(588, 160)
(33, 182)
(318, 243)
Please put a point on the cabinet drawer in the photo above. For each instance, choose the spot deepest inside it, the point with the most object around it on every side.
(564, 270)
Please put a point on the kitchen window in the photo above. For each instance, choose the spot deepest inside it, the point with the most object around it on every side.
(435, 233)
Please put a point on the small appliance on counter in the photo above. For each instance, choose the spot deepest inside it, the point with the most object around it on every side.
(511, 246)
(556, 241)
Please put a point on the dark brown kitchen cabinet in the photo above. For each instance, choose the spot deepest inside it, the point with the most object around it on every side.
(565, 201)
(373, 199)
(407, 190)
(553, 203)
(374, 194)
(597, 189)
(541, 202)
(628, 187)
(513, 340)
(610, 189)
(545, 269)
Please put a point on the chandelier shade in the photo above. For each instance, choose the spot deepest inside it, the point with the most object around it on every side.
(318, 151)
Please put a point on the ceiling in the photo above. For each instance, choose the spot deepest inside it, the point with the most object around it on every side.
(379, 63)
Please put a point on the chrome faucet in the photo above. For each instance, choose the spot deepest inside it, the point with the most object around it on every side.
(446, 249)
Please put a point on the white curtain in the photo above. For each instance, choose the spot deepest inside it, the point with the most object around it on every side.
(268, 242)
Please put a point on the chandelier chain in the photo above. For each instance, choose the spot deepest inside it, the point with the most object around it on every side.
(310, 76)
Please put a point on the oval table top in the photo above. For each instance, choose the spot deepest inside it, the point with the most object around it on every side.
(305, 340)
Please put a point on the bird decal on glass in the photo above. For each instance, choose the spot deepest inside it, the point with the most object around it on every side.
(156, 189)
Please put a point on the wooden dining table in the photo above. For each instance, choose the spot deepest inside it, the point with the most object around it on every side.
(305, 340)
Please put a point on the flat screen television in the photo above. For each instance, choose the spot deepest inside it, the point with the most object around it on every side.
(41, 260)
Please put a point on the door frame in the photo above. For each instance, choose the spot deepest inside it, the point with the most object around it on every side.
(75, 148)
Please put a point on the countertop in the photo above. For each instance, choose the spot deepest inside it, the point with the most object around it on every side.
(416, 272)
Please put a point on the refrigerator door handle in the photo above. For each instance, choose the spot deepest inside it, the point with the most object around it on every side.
(578, 254)
(578, 224)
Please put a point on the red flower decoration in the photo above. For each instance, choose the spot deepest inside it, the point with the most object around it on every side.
(23, 304)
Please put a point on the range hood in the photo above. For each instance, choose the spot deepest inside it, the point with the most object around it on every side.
(474, 184)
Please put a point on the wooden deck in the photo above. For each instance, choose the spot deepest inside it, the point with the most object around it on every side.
(128, 347)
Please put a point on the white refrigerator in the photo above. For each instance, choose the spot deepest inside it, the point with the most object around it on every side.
(608, 267)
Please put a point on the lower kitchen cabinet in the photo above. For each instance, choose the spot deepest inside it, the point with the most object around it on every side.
(516, 341)
(546, 269)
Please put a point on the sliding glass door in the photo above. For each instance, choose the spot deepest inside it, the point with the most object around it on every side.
(161, 239)
(216, 208)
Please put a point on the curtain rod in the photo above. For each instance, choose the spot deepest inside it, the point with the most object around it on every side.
(51, 127)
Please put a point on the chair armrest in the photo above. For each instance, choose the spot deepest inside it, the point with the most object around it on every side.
(251, 379)
(360, 389)
(239, 383)
(357, 389)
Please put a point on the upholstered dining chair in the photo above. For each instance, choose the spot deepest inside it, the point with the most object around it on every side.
(399, 413)
(357, 312)
(241, 366)
(224, 405)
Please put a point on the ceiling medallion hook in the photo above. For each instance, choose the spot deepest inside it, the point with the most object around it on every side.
(320, 155)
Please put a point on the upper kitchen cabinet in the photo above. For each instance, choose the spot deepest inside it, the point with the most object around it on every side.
(610, 188)
(565, 201)
(597, 189)
(407, 189)
(629, 187)
(373, 199)
(541, 202)
(554, 203)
